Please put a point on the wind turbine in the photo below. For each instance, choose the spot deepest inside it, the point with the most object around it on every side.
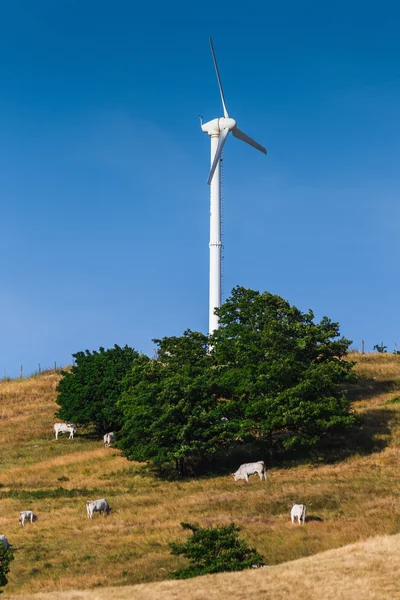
(218, 130)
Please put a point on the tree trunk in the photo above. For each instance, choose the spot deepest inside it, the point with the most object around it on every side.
(182, 467)
(270, 451)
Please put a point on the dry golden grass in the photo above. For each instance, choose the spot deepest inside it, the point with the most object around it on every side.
(367, 570)
(347, 501)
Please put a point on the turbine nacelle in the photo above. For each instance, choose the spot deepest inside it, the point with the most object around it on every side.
(215, 126)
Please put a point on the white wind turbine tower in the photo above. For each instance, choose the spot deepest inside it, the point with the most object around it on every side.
(218, 130)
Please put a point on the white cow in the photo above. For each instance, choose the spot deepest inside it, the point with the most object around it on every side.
(109, 438)
(100, 506)
(4, 541)
(64, 428)
(298, 511)
(26, 515)
(247, 469)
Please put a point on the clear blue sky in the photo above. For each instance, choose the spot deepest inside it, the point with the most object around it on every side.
(103, 167)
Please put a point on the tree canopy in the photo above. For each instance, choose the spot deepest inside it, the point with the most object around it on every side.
(171, 408)
(88, 394)
(269, 373)
(280, 372)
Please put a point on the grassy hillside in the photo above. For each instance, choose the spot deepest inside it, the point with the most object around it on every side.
(349, 500)
(367, 571)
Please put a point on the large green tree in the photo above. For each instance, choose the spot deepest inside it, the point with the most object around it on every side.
(269, 374)
(171, 407)
(88, 394)
(281, 373)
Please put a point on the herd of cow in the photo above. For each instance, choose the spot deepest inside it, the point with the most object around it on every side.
(70, 428)
(101, 505)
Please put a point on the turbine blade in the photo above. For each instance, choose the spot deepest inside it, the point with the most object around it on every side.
(245, 138)
(219, 81)
(221, 142)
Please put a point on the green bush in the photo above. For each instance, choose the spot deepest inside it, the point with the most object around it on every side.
(212, 550)
(6, 557)
(380, 348)
(88, 394)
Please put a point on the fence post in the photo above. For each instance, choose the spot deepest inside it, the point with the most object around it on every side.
(55, 367)
(362, 347)
(20, 372)
(39, 368)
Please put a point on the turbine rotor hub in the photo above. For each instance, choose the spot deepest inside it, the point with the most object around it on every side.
(215, 126)
(226, 123)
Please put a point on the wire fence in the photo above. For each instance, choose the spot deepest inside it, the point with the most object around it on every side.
(39, 371)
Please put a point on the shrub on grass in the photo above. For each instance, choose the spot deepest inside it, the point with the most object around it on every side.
(213, 550)
(6, 557)
(380, 348)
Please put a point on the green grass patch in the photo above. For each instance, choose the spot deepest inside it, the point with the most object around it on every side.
(59, 492)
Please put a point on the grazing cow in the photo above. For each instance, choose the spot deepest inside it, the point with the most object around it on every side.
(247, 469)
(100, 506)
(109, 438)
(64, 428)
(4, 541)
(26, 515)
(298, 511)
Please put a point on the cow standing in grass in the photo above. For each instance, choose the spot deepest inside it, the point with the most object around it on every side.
(298, 512)
(109, 438)
(26, 515)
(100, 506)
(64, 428)
(247, 469)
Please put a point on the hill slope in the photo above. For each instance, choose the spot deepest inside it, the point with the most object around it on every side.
(347, 501)
(367, 571)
